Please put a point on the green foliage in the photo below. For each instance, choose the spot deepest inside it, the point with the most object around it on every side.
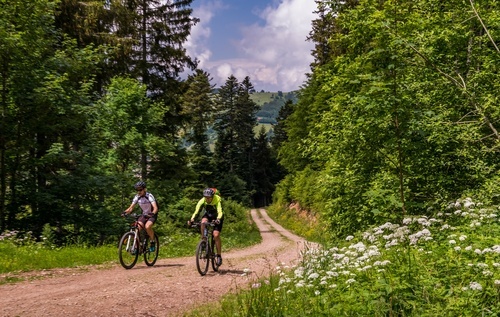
(21, 252)
(397, 118)
(421, 266)
(300, 221)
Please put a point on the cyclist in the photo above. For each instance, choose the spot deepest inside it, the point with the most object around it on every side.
(149, 208)
(212, 211)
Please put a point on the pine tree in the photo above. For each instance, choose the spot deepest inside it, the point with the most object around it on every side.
(234, 125)
(198, 108)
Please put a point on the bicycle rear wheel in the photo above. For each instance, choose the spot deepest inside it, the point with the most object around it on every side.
(150, 257)
(202, 252)
(213, 259)
(127, 251)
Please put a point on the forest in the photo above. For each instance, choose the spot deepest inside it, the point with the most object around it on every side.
(399, 116)
(92, 101)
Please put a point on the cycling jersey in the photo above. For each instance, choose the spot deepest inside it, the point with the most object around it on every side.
(214, 205)
(145, 202)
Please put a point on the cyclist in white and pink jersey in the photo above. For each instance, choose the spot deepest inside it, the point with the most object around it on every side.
(149, 207)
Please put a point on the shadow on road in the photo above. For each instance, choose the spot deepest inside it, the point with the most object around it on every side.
(157, 266)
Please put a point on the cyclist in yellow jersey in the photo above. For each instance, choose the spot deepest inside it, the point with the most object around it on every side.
(211, 208)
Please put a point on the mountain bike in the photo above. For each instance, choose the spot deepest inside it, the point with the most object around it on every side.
(205, 250)
(136, 242)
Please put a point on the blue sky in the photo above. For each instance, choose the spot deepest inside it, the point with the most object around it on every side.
(263, 39)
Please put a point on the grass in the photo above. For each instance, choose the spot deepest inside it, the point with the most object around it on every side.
(32, 256)
(262, 97)
(447, 265)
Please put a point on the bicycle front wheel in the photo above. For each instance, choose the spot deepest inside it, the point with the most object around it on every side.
(202, 252)
(213, 259)
(127, 250)
(150, 257)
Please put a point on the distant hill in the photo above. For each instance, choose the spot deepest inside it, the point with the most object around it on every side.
(270, 104)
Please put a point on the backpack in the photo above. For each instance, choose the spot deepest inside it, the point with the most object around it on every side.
(216, 192)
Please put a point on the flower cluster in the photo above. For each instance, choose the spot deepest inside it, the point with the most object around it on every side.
(323, 269)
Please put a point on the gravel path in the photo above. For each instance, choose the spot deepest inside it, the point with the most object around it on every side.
(169, 288)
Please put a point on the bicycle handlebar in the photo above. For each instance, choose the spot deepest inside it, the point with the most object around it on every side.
(197, 224)
(136, 215)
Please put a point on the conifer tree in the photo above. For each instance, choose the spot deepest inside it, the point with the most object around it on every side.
(198, 108)
(234, 125)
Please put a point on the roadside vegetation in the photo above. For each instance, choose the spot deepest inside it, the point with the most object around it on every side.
(22, 253)
(448, 264)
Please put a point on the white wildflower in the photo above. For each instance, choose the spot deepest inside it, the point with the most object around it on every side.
(475, 286)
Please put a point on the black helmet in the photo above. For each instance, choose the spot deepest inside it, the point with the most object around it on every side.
(139, 185)
(208, 192)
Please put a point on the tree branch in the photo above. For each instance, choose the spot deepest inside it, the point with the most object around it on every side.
(484, 26)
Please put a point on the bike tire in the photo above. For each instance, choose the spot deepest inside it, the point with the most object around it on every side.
(128, 258)
(215, 267)
(151, 257)
(202, 252)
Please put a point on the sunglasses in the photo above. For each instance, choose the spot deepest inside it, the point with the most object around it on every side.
(140, 190)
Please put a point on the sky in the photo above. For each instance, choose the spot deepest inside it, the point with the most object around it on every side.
(262, 39)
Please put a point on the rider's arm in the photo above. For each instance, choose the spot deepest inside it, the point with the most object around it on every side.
(219, 208)
(155, 207)
(197, 209)
(131, 207)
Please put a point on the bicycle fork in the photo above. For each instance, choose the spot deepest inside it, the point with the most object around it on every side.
(133, 246)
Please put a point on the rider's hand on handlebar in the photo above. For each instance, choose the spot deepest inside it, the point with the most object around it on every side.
(217, 221)
(123, 214)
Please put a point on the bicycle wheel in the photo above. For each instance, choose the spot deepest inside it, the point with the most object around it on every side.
(150, 257)
(202, 252)
(127, 251)
(212, 255)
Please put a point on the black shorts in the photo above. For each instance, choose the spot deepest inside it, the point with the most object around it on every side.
(145, 218)
(211, 217)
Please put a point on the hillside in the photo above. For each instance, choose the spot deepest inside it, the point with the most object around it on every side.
(270, 104)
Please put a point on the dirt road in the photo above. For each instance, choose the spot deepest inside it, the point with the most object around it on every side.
(169, 288)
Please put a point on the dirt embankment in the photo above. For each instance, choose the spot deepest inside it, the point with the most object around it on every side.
(169, 288)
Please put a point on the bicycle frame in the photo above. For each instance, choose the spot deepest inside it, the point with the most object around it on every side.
(205, 250)
(134, 243)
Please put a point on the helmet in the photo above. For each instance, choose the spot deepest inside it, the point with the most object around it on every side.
(139, 184)
(208, 192)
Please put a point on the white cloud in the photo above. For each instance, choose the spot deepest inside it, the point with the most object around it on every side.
(274, 54)
(197, 43)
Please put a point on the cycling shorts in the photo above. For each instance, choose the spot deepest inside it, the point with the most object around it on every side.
(211, 217)
(144, 218)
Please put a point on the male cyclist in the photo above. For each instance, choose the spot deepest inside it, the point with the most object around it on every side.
(149, 208)
(212, 211)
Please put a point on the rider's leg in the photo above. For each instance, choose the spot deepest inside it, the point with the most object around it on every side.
(218, 243)
(149, 230)
(202, 226)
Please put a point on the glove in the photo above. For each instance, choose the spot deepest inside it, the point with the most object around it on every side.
(151, 215)
(123, 214)
(189, 223)
(217, 221)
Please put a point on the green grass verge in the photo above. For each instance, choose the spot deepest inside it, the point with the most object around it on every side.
(446, 265)
(173, 243)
